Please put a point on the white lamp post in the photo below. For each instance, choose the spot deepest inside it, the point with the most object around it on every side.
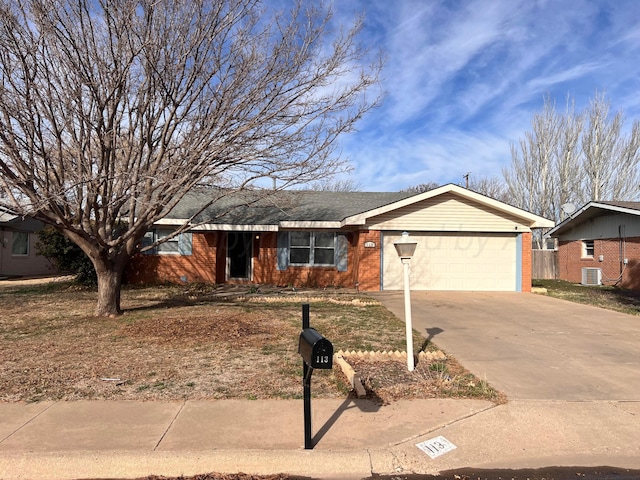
(406, 249)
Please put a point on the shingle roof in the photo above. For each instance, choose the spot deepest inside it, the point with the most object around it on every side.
(592, 210)
(254, 208)
(629, 205)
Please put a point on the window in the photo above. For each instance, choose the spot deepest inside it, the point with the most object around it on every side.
(169, 247)
(312, 248)
(179, 245)
(588, 249)
(20, 245)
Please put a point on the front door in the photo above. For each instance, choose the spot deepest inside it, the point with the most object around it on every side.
(239, 255)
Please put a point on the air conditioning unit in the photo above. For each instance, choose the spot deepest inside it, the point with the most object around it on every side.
(591, 276)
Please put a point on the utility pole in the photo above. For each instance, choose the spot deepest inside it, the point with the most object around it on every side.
(466, 177)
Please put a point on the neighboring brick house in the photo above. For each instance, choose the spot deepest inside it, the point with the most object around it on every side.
(600, 244)
(466, 241)
(18, 253)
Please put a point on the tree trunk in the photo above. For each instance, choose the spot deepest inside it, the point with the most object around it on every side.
(109, 286)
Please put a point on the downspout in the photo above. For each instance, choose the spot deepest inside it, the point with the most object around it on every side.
(381, 260)
(622, 246)
(519, 262)
(621, 256)
(355, 245)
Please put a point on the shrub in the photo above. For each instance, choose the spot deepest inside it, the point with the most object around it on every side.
(66, 255)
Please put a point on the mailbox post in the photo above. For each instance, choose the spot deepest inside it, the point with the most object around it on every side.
(316, 352)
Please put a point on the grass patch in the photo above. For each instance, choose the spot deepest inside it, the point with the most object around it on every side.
(608, 297)
(177, 342)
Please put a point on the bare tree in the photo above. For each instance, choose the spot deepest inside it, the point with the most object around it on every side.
(331, 185)
(494, 187)
(568, 173)
(110, 112)
(610, 158)
(531, 177)
(421, 188)
(574, 157)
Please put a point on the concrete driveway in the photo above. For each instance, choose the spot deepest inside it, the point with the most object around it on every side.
(532, 346)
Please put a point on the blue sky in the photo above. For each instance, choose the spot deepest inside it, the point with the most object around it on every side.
(463, 79)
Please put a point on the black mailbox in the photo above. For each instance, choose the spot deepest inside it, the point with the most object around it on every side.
(316, 351)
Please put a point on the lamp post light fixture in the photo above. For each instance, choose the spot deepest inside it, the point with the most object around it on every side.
(406, 248)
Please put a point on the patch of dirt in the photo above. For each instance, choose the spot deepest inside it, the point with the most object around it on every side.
(390, 380)
(243, 328)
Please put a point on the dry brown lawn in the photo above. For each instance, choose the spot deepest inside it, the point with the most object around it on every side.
(201, 342)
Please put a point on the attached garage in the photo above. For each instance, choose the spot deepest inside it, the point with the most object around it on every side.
(465, 242)
(455, 261)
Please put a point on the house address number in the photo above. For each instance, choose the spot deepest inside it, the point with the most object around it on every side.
(322, 359)
(437, 446)
(369, 244)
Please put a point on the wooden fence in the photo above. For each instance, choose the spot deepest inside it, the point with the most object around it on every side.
(544, 264)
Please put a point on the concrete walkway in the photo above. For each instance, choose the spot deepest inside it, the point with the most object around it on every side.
(104, 439)
(107, 439)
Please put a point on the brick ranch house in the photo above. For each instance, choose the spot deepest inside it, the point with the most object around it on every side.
(466, 241)
(600, 244)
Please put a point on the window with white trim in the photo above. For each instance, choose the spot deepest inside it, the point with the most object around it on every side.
(588, 249)
(20, 244)
(312, 248)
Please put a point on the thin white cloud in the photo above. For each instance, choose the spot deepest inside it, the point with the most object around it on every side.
(463, 83)
(432, 47)
(396, 163)
(573, 73)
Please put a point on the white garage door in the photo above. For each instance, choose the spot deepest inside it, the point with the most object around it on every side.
(473, 262)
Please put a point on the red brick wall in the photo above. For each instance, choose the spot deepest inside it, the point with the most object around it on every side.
(527, 259)
(207, 263)
(200, 266)
(363, 265)
(570, 263)
(368, 261)
(265, 267)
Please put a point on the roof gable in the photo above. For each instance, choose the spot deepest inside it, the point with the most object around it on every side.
(500, 208)
(448, 212)
(592, 210)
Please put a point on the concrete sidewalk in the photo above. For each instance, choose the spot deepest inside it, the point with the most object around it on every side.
(105, 439)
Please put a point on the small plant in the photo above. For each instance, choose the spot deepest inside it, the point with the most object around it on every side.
(438, 367)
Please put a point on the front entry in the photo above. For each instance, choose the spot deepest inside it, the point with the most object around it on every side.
(239, 250)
